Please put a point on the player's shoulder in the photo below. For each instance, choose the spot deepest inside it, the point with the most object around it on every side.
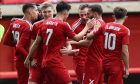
(101, 22)
(126, 29)
(78, 21)
(38, 22)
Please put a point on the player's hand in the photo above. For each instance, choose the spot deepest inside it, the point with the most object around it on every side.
(34, 63)
(97, 26)
(65, 51)
(76, 52)
(90, 23)
(27, 62)
(126, 74)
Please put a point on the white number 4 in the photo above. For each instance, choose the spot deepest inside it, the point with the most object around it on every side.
(49, 32)
(110, 41)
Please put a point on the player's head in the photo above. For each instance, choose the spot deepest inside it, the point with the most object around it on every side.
(30, 10)
(40, 16)
(95, 11)
(0, 14)
(62, 9)
(47, 10)
(83, 10)
(119, 13)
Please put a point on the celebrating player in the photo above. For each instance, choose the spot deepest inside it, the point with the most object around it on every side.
(18, 36)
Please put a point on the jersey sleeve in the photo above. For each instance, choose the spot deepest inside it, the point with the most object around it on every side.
(68, 32)
(126, 36)
(23, 41)
(8, 37)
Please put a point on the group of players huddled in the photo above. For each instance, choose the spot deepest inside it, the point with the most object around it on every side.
(99, 49)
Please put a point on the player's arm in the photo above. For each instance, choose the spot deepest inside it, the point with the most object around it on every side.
(8, 38)
(125, 56)
(80, 35)
(125, 52)
(82, 43)
(97, 29)
(33, 47)
(23, 41)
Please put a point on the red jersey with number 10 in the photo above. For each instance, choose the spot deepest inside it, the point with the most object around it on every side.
(114, 36)
(54, 33)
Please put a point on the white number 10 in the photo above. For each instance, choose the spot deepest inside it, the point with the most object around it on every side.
(108, 38)
(49, 32)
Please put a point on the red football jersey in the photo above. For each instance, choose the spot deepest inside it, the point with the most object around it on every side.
(54, 33)
(95, 50)
(39, 51)
(77, 27)
(18, 36)
(114, 36)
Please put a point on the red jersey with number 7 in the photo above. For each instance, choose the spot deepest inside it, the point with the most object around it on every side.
(54, 33)
(18, 36)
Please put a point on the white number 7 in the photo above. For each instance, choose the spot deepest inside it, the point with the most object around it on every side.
(49, 32)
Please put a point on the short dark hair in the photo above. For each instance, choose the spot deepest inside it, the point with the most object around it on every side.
(27, 6)
(96, 8)
(83, 6)
(61, 6)
(119, 12)
(46, 5)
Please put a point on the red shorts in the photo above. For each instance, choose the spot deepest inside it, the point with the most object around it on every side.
(114, 71)
(36, 75)
(93, 72)
(56, 75)
(22, 73)
(80, 66)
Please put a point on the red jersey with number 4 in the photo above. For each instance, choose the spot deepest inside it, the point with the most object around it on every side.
(77, 27)
(39, 51)
(95, 51)
(114, 36)
(18, 36)
(54, 33)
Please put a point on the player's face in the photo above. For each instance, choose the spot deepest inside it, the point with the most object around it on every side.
(66, 14)
(34, 13)
(0, 13)
(48, 12)
(83, 13)
(91, 14)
